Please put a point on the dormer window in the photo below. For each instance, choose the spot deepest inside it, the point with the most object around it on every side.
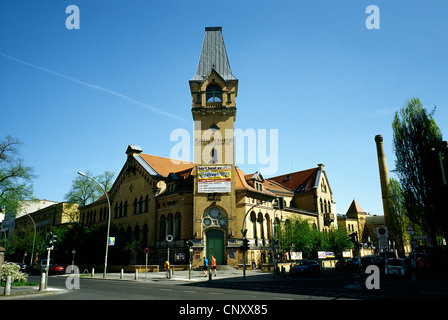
(213, 94)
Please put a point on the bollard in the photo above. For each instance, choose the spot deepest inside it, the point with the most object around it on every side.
(8, 286)
(42, 282)
(136, 274)
(122, 274)
(209, 275)
(93, 272)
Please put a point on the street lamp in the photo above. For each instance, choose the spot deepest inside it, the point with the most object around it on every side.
(34, 239)
(108, 224)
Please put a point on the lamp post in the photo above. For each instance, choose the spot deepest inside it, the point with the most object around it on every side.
(108, 224)
(34, 239)
(244, 231)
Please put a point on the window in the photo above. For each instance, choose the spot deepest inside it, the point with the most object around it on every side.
(125, 209)
(147, 204)
(213, 94)
(135, 205)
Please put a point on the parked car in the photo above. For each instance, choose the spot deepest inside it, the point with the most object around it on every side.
(356, 262)
(397, 267)
(58, 268)
(344, 263)
(305, 267)
(39, 266)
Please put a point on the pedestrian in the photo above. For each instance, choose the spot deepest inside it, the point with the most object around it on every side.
(420, 267)
(214, 264)
(205, 267)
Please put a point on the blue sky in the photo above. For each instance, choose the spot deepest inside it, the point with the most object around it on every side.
(311, 69)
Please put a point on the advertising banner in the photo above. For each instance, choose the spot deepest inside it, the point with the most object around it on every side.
(214, 179)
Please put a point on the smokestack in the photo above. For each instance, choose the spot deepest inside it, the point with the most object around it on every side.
(384, 175)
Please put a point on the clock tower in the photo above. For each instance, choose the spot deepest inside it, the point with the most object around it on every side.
(213, 90)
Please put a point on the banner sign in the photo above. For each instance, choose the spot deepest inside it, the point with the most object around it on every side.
(214, 179)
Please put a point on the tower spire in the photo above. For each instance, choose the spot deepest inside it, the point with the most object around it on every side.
(213, 56)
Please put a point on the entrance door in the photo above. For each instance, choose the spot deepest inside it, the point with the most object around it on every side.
(215, 246)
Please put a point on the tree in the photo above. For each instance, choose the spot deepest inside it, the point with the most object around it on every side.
(397, 220)
(15, 177)
(84, 191)
(300, 236)
(415, 135)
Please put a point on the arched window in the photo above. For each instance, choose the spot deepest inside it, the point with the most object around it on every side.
(135, 205)
(162, 228)
(177, 226)
(125, 209)
(147, 204)
(260, 221)
(137, 233)
(213, 94)
(253, 219)
(140, 209)
(268, 226)
(145, 235)
(170, 225)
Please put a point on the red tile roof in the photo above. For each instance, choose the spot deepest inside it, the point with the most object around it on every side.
(296, 179)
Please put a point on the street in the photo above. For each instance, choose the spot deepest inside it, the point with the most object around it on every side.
(229, 285)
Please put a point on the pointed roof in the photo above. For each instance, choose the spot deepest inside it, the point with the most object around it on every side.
(355, 208)
(213, 56)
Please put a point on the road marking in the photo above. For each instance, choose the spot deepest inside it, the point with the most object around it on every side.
(281, 298)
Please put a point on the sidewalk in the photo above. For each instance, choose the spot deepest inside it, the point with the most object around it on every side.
(196, 275)
(183, 275)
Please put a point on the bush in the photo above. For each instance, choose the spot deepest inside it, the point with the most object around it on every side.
(13, 270)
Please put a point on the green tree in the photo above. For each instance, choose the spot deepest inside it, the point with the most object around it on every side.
(84, 191)
(415, 135)
(397, 219)
(15, 178)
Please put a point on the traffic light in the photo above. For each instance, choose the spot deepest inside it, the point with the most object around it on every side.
(189, 243)
(245, 245)
(51, 238)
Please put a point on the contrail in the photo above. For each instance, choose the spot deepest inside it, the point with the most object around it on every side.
(92, 86)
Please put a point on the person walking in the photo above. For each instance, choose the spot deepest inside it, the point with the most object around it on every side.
(214, 264)
(205, 267)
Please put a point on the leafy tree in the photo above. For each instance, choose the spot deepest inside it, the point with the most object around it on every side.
(15, 177)
(397, 219)
(84, 191)
(415, 135)
(299, 236)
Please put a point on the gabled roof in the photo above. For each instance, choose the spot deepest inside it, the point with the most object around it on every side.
(213, 56)
(301, 180)
(241, 183)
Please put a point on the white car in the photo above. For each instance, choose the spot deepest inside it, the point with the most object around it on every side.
(397, 267)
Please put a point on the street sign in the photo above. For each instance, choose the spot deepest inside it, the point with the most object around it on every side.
(410, 229)
(146, 250)
(111, 241)
(382, 232)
